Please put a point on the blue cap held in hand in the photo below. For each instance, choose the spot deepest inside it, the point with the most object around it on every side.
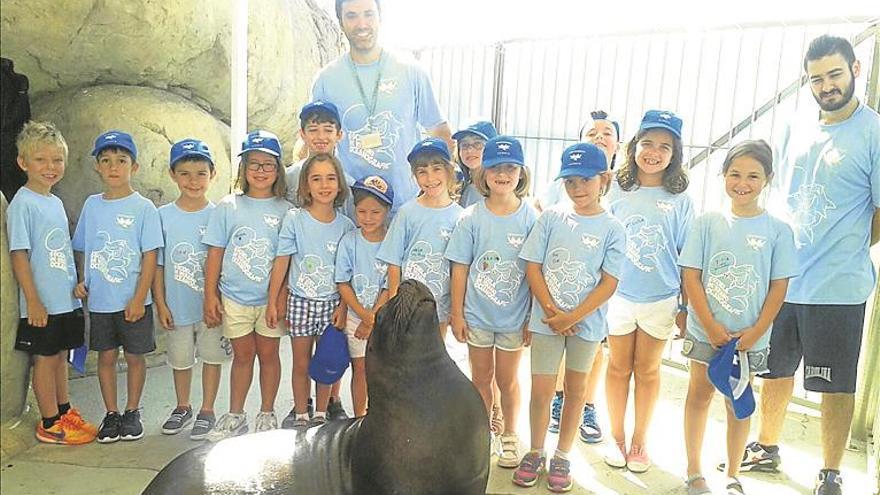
(729, 372)
(331, 357)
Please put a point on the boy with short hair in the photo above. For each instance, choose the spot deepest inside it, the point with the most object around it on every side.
(42, 261)
(118, 232)
(179, 288)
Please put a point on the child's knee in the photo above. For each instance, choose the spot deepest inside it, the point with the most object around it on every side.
(108, 358)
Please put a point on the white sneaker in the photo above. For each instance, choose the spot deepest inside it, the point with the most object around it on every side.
(616, 455)
(265, 421)
(229, 425)
(509, 457)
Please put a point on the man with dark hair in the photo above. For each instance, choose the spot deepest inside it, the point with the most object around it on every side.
(828, 185)
(383, 102)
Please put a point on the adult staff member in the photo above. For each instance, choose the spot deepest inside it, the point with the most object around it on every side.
(828, 184)
(383, 102)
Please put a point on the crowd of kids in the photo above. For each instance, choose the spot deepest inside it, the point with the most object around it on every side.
(617, 261)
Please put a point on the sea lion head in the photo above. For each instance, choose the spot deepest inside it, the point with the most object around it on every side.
(407, 321)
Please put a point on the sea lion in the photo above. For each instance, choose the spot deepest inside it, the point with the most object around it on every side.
(426, 432)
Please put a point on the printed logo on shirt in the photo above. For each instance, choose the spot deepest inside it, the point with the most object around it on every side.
(516, 240)
(203, 229)
(426, 266)
(590, 241)
(833, 157)
(756, 242)
(272, 220)
(315, 278)
(189, 266)
(251, 254)
(359, 125)
(381, 267)
(665, 206)
(387, 86)
(810, 206)
(112, 259)
(331, 247)
(496, 279)
(730, 284)
(124, 221)
(644, 243)
(445, 234)
(56, 242)
(566, 279)
(365, 292)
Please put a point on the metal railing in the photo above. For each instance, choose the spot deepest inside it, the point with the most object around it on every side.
(727, 83)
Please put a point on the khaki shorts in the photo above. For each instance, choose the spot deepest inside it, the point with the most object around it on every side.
(547, 353)
(656, 318)
(357, 348)
(186, 342)
(240, 320)
(505, 341)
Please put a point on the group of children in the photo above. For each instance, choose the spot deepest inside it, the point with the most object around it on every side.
(617, 259)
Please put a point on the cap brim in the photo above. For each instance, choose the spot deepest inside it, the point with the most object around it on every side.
(193, 154)
(381, 197)
(660, 125)
(99, 149)
(264, 150)
(464, 132)
(586, 174)
(494, 162)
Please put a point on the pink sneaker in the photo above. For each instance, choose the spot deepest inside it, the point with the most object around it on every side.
(529, 469)
(559, 475)
(637, 460)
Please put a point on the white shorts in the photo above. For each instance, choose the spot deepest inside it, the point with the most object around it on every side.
(357, 348)
(657, 318)
(240, 320)
(186, 342)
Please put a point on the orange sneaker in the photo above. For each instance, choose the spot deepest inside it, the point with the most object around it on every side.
(63, 432)
(75, 419)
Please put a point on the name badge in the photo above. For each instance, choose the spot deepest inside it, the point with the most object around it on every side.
(371, 140)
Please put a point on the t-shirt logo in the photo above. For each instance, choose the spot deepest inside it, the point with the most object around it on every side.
(566, 278)
(112, 259)
(189, 266)
(644, 243)
(426, 266)
(360, 125)
(315, 278)
(381, 267)
(251, 254)
(271, 220)
(331, 247)
(590, 241)
(730, 284)
(810, 206)
(755, 242)
(56, 241)
(665, 206)
(387, 86)
(124, 221)
(445, 234)
(203, 229)
(365, 292)
(497, 279)
(516, 240)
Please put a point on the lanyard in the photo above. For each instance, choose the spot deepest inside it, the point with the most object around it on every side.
(370, 105)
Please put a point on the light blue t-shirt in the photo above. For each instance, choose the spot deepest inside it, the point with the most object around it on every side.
(356, 263)
(405, 101)
(738, 257)
(312, 246)
(573, 251)
(656, 224)
(416, 242)
(247, 228)
(183, 261)
(469, 195)
(497, 296)
(291, 178)
(38, 224)
(826, 186)
(114, 234)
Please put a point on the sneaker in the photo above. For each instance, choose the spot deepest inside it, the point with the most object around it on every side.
(529, 469)
(559, 475)
(76, 420)
(496, 424)
(758, 458)
(616, 456)
(734, 487)
(828, 483)
(316, 421)
(110, 428)
(132, 426)
(180, 417)
(509, 457)
(63, 432)
(555, 413)
(335, 410)
(637, 460)
(203, 425)
(265, 422)
(229, 425)
(589, 430)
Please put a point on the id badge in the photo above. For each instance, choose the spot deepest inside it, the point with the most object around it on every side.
(371, 140)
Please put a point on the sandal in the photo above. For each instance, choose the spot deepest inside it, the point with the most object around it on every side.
(692, 489)
(734, 487)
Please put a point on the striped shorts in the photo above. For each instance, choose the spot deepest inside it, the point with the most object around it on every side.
(309, 317)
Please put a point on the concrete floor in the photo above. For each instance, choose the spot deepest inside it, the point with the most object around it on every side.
(127, 467)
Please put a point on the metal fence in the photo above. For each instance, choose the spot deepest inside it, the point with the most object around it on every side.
(727, 83)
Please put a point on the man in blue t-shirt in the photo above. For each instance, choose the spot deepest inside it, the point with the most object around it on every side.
(827, 187)
(383, 101)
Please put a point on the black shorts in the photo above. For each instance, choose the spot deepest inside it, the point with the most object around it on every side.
(62, 332)
(828, 338)
(108, 331)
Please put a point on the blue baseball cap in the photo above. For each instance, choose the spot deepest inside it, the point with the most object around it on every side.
(582, 160)
(189, 148)
(503, 149)
(115, 139)
(430, 144)
(331, 357)
(483, 129)
(260, 140)
(729, 372)
(662, 119)
(319, 106)
(377, 186)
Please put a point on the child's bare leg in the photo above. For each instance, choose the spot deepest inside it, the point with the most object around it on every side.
(44, 383)
(359, 386)
(539, 408)
(597, 375)
(696, 411)
(322, 397)
(334, 389)
(646, 368)
(575, 388)
(107, 378)
(244, 351)
(482, 372)
(270, 370)
(135, 379)
(182, 386)
(210, 386)
(506, 367)
(737, 436)
(443, 326)
(302, 354)
(620, 370)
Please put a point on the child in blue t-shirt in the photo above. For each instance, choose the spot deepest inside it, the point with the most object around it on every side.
(242, 236)
(42, 261)
(179, 288)
(490, 297)
(307, 245)
(735, 268)
(469, 145)
(361, 277)
(119, 233)
(419, 233)
(574, 253)
(649, 198)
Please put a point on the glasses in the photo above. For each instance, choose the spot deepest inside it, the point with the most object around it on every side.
(265, 167)
(476, 146)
